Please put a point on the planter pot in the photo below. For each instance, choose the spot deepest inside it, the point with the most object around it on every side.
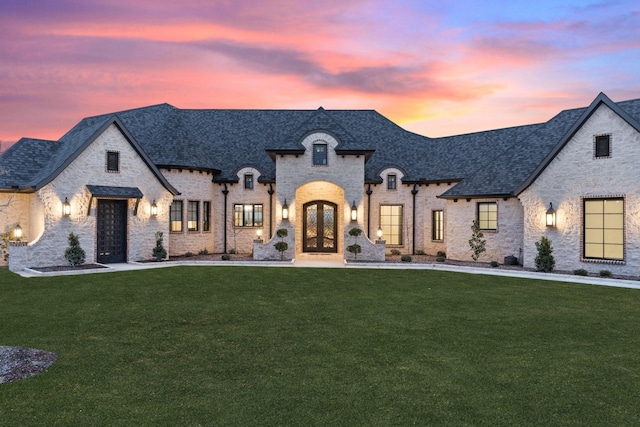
(510, 260)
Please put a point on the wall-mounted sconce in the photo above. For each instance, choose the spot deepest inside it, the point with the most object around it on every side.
(354, 211)
(285, 210)
(379, 233)
(259, 233)
(154, 209)
(551, 216)
(17, 232)
(66, 207)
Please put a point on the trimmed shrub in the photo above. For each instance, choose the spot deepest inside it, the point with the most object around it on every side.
(74, 253)
(420, 252)
(225, 257)
(395, 252)
(159, 252)
(355, 249)
(441, 259)
(406, 258)
(189, 254)
(442, 254)
(494, 263)
(605, 273)
(580, 272)
(282, 246)
(544, 260)
(204, 251)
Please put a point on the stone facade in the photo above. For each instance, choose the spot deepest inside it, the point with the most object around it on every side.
(574, 174)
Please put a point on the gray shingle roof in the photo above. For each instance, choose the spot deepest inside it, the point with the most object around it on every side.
(490, 163)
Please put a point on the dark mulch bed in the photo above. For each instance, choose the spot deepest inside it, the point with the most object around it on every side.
(68, 268)
(17, 363)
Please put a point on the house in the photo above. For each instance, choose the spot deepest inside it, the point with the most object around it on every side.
(215, 179)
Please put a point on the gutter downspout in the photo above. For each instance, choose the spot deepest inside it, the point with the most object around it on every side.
(225, 191)
(413, 239)
(369, 192)
(270, 191)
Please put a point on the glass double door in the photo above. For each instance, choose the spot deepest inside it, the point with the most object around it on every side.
(320, 227)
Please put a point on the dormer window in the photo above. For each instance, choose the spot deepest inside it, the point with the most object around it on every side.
(113, 161)
(391, 182)
(319, 154)
(248, 181)
(602, 146)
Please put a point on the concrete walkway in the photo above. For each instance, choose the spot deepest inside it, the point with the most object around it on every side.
(108, 268)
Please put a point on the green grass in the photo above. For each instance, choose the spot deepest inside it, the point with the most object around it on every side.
(341, 347)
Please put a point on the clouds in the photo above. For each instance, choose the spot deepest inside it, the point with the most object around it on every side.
(439, 68)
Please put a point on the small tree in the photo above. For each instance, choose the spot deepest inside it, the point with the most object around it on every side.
(159, 252)
(74, 253)
(477, 243)
(282, 246)
(355, 249)
(544, 260)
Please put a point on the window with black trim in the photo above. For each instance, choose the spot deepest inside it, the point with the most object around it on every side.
(206, 216)
(247, 215)
(320, 154)
(193, 213)
(437, 225)
(175, 216)
(391, 223)
(603, 228)
(248, 181)
(391, 181)
(113, 161)
(602, 146)
(488, 215)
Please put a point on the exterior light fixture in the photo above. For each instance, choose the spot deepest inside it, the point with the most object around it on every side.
(66, 207)
(551, 216)
(354, 211)
(379, 233)
(154, 209)
(285, 210)
(17, 232)
(259, 233)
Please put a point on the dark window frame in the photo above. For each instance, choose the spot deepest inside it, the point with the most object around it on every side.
(193, 215)
(602, 146)
(605, 242)
(392, 181)
(320, 158)
(112, 162)
(206, 216)
(176, 217)
(399, 227)
(437, 225)
(244, 217)
(248, 181)
(487, 224)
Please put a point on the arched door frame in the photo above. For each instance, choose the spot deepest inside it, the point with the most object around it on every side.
(323, 231)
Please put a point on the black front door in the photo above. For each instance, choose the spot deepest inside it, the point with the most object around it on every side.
(112, 231)
(320, 227)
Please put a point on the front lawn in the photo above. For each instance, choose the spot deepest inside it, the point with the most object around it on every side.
(245, 346)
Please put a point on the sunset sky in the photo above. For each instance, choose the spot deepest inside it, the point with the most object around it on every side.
(435, 67)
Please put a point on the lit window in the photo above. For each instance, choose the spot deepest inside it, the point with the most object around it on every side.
(206, 216)
(604, 229)
(602, 146)
(437, 224)
(247, 215)
(113, 161)
(248, 181)
(391, 223)
(391, 182)
(175, 214)
(488, 215)
(320, 154)
(193, 210)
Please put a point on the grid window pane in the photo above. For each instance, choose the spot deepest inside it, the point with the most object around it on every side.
(193, 210)
(247, 215)
(248, 181)
(391, 223)
(320, 154)
(488, 215)
(391, 182)
(175, 216)
(113, 161)
(604, 228)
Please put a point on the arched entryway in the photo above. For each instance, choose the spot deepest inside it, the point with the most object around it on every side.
(320, 227)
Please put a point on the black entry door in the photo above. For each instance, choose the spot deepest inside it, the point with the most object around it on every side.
(320, 227)
(112, 231)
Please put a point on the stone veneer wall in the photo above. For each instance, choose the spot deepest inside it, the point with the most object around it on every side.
(575, 174)
(90, 168)
(193, 185)
(507, 240)
(14, 210)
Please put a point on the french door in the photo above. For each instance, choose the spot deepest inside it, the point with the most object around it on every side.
(320, 227)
